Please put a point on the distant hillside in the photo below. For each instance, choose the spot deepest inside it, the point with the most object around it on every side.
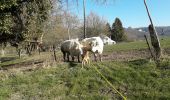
(162, 30)
(134, 34)
(138, 33)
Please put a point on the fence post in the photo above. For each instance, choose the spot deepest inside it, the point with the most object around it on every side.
(55, 58)
(149, 47)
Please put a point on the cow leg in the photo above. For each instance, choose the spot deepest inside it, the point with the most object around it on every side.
(73, 58)
(78, 57)
(64, 56)
(68, 57)
(100, 57)
(95, 57)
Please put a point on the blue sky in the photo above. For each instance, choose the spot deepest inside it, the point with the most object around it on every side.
(131, 12)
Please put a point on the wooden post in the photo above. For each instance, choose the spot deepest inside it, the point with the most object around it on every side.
(155, 43)
(84, 12)
(149, 47)
(19, 52)
(154, 37)
(55, 58)
(39, 47)
(28, 49)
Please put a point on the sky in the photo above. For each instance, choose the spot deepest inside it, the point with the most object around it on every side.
(132, 13)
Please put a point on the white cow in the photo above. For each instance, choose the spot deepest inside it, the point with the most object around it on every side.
(107, 41)
(71, 47)
(95, 45)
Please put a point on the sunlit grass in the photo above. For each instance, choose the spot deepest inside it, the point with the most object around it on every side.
(137, 79)
(137, 45)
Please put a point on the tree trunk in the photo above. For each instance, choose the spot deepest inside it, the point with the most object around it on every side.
(18, 52)
(40, 43)
(154, 36)
(41, 38)
(149, 47)
(3, 49)
(84, 12)
(2, 52)
(68, 31)
(155, 43)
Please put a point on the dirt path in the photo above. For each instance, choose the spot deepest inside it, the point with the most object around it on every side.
(49, 61)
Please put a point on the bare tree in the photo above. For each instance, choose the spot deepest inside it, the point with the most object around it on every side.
(71, 22)
(95, 24)
(84, 11)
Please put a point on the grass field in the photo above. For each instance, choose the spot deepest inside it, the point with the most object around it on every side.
(137, 45)
(137, 79)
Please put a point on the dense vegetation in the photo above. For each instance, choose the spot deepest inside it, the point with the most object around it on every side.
(20, 18)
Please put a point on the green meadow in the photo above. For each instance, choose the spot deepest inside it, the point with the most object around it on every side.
(137, 79)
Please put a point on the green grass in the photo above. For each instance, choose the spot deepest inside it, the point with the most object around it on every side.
(137, 45)
(126, 46)
(165, 42)
(138, 79)
(14, 59)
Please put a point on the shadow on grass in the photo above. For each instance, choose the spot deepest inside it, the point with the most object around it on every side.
(165, 64)
(139, 62)
(72, 64)
(5, 59)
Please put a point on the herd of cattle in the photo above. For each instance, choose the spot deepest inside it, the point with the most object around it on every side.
(76, 48)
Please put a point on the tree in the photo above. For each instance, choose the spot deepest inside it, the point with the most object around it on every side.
(95, 25)
(20, 18)
(107, 30)
(84, 12)
(118, 33)
(70, 21)
(61, 25)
